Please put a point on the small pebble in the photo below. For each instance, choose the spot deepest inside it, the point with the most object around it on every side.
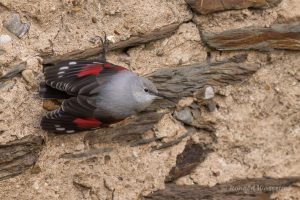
(209, 92)
(211, 106)
(76, 9)
(184, 115)
(50, 105)
(15, 26)
(205, 93)
(36, 170)
(28, 75)
(4, 39)
(94, 20)
(196, 113)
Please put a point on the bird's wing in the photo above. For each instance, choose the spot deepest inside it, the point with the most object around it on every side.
(76, 114)
(76, 77)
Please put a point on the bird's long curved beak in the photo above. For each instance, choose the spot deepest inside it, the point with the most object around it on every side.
(164, 97)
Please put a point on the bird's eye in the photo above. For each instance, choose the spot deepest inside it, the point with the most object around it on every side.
(146, 90)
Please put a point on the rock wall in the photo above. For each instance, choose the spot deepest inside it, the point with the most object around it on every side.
(247, 51)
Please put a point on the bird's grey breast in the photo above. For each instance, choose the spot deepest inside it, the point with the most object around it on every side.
(115, 99)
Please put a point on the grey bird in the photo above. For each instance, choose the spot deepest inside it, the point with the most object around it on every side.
(97, 93)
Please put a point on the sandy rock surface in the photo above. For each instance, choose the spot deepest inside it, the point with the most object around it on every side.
(258, 121)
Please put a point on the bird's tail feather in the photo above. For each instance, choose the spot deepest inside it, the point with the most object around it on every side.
(47, 92)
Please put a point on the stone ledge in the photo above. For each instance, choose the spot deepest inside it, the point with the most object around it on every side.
(279, 36)
(211, 6)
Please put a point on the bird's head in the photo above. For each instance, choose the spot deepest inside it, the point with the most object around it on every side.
(145, 92)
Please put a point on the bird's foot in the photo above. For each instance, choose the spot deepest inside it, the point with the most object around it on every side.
(105, 47)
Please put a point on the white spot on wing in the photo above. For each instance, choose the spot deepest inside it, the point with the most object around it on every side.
(70, 131)
(72, 63)
(64, 67)
(60, 129)
(61, 72)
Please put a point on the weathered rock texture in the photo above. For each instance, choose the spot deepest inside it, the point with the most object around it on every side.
(248, 189)
(15, 26)
(280, 36)
(192, 155)
(196, 76)
(19, 155)
(211, 6)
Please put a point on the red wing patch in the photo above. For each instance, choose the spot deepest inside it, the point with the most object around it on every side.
(87, 122)
(90, 70)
